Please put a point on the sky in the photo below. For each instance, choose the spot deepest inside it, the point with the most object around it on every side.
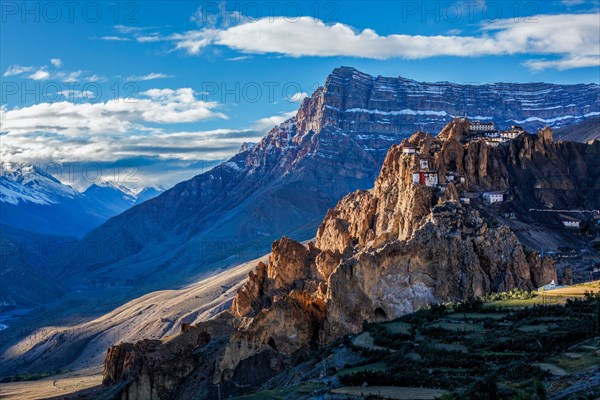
(152, 93)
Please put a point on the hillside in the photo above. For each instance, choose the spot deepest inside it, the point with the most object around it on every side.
(378, 255)
(581, 132)
(443, 340)
(465, 351)
(31, 264)
(154, 315)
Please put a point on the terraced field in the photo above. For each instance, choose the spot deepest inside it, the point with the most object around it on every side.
(509, 348)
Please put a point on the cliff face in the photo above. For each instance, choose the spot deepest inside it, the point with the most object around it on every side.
(357, 102)
(285, 183)
(387, 251)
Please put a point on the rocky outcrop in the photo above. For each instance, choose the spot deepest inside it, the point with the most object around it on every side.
(545, 134)
(154, 370)
(385, 252)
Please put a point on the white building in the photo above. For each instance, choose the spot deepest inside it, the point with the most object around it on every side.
(569, 222)
(431, 179)
(510, 134)
(425, 178)
(477, 126)
(493, 197)
(410, 150)
(416, 177)
(424, 164)
(549, 286)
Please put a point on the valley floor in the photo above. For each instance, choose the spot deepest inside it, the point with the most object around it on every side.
(57, 387)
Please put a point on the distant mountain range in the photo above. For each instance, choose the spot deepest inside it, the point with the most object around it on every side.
(33, 200)
(284, 184)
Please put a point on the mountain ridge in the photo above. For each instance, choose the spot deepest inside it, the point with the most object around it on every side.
(331, 139)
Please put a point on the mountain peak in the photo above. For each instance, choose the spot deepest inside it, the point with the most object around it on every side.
(24, 172)
(27, 183)
(119, 187)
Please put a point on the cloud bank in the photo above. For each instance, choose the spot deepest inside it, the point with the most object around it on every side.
(572, 40)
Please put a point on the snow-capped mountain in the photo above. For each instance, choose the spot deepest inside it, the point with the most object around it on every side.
(33, 200)
(29, 184)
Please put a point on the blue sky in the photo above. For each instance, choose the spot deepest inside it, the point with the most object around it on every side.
(203, 77)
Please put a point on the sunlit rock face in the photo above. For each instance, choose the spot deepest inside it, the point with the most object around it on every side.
(382, 253)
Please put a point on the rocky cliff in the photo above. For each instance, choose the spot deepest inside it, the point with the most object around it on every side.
(385, 252)
(285, 183)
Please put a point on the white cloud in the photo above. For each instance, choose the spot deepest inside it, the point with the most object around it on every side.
(159, 106)
(240, 58)
(95, 78)
(211, 15)
(40, 75)
(115, 38)
(149, 77)
(565, 63)
(566, 36)
(298, 97)
(78, 94)
(267, 123)
(17, 70)
(148, 38)
(71, 76)
(131, 29)
(103, 133)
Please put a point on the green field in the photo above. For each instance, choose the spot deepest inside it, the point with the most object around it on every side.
(398, 327)
(288, 392)
(509, 349)
(477, 316)
(376, 366)
(459, 327)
